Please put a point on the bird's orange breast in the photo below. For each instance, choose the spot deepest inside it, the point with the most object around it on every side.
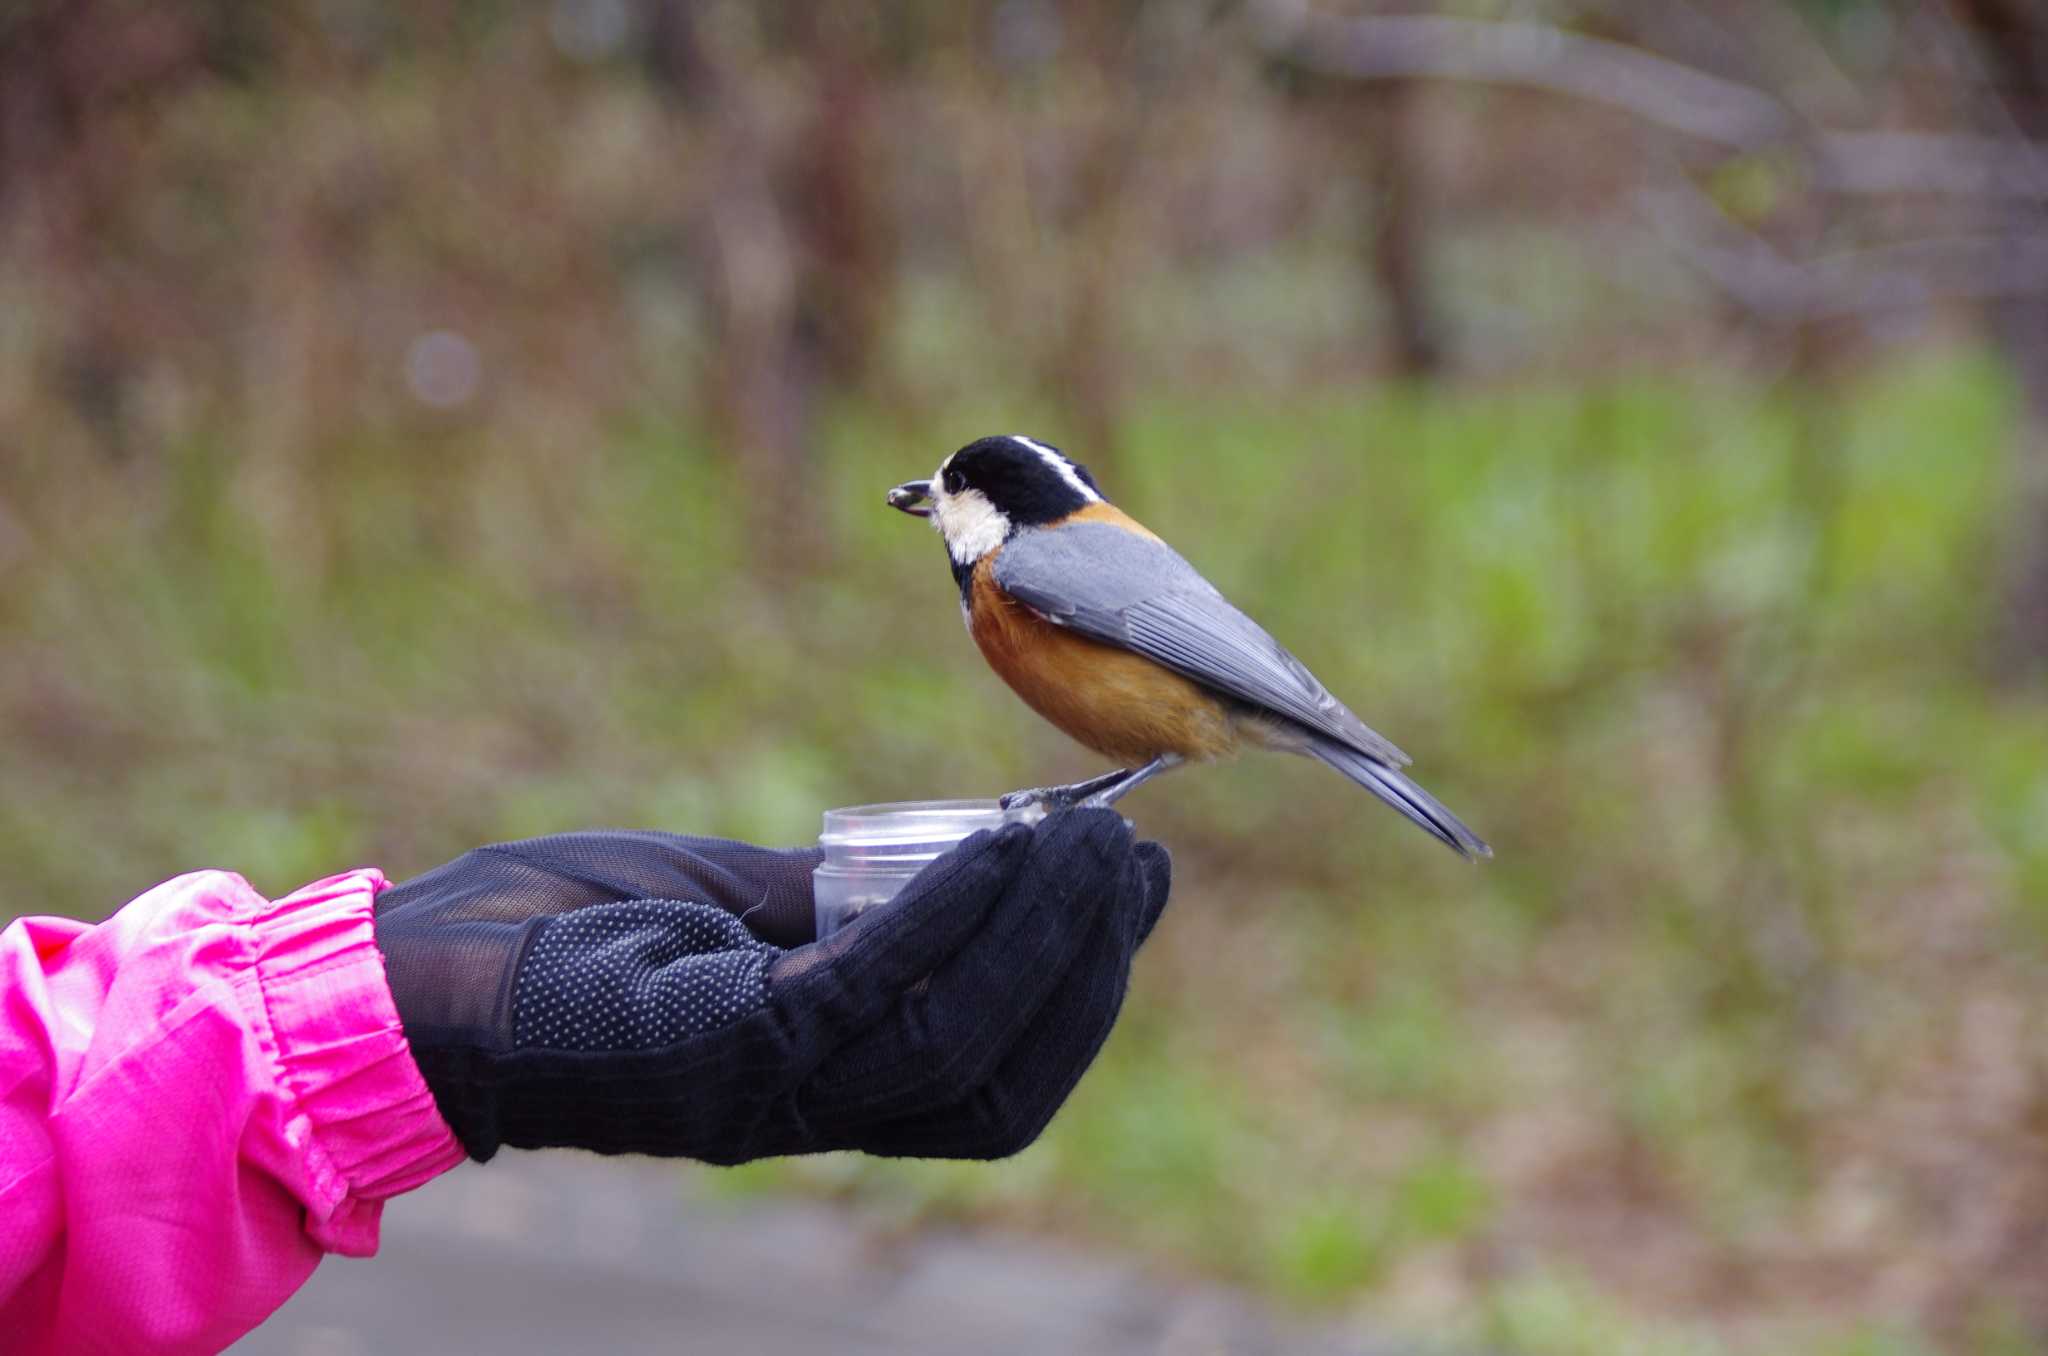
(1117, 703)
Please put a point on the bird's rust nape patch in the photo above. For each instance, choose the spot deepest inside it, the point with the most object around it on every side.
(1102, 511)
(1117, 703)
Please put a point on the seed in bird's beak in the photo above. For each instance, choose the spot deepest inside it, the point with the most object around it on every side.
(910, 497)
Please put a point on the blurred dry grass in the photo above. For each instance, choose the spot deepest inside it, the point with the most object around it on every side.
(433, 430)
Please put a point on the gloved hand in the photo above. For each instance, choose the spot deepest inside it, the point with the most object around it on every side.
(603, 990)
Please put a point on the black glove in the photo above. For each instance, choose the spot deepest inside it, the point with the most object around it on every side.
(603, 991)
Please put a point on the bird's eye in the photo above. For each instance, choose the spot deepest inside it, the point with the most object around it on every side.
(953, 481)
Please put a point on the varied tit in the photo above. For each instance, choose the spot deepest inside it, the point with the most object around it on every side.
(1105, 631)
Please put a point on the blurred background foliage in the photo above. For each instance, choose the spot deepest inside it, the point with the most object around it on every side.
(434, 423)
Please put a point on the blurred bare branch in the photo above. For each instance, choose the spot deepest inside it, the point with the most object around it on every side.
(1537, 56)
(1952, 165)
(1913, 273)
(1676, 97)
(1739, 262)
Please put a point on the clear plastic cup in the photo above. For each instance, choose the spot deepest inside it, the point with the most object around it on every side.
(872, 851)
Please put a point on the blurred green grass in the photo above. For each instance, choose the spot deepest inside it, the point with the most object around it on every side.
(1702, 658)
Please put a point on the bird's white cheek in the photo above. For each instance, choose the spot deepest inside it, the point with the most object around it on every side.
(971, 525)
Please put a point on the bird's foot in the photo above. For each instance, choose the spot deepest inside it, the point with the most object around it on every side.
(1097, 793)
(1062, 797)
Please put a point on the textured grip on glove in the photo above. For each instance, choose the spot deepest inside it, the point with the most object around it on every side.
(631, 976)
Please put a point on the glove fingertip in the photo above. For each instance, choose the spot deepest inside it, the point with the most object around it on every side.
(989, 849)
(1155, 867)
(1157, 863)
(980, 856)
(1100, 832)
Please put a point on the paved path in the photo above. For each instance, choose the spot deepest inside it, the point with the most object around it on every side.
(557, 1252)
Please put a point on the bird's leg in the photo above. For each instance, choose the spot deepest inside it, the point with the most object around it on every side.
(1111, 794)
(1059, 797)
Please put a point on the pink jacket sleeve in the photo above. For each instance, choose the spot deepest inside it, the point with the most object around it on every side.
(199, 1098)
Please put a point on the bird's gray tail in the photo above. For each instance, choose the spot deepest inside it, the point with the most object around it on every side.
(1396, 790)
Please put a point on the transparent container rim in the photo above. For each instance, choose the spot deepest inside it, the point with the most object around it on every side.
(911, 821)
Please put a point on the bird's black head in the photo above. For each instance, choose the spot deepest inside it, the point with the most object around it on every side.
(993, 487)
(1028, 482)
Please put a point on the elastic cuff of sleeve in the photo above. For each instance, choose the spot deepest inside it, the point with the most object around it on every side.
(356, 1101)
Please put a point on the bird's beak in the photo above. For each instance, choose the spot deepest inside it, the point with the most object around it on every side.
(912, 497)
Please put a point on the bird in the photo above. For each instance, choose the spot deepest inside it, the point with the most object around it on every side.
(1108, 633)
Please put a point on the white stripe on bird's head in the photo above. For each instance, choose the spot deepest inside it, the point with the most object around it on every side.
(1058, 461)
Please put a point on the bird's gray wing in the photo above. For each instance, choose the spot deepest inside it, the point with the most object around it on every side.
(1136, 592)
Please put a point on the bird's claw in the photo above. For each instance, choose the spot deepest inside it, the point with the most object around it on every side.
(1090, 793)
